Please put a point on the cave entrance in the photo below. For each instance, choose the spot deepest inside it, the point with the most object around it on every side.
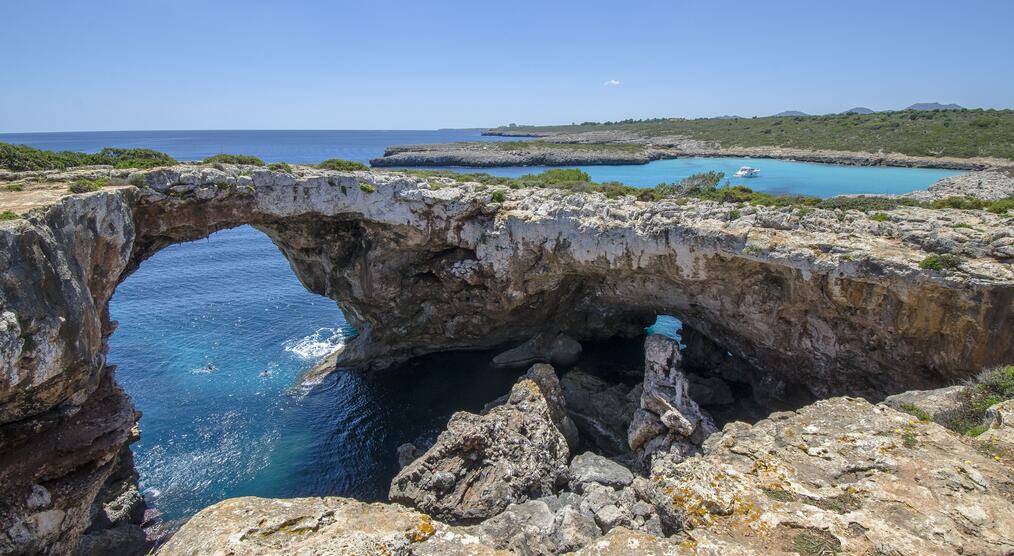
(603, 388)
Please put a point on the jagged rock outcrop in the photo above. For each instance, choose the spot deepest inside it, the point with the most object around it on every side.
(840, 475)
(481, 464)
(990, 185)
(829, 301)
(668, 420)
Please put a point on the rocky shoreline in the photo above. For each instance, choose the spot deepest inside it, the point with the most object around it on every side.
(616, 147)
(808, 304)
(838, 476)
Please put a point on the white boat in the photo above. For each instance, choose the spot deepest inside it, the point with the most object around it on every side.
(747, 172)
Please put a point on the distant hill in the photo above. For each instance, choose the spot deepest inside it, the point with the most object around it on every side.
(858, 110)
(730, 117)
(792, 113)
(930, 106)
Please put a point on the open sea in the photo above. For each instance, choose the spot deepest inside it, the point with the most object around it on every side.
(214, 334)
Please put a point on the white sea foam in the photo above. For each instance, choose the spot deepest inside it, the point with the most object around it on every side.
(321, 343)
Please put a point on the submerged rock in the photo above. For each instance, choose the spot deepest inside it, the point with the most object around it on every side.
(481, 464)
(407, 453)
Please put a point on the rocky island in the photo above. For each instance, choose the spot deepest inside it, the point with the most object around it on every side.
(815, 313)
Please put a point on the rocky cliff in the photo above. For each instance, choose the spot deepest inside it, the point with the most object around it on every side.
(821, 302)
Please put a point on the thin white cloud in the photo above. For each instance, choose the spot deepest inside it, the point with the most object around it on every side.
(612, 83)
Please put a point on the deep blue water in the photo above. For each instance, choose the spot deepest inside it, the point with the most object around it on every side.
(214, 334)
(298, 146)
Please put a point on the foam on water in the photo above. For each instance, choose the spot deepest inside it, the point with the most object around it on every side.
(318, 345)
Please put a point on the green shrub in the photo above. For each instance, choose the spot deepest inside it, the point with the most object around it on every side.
(498, 197)
(8, 215)
(734, 214)
(989, 388)
(14, 187)
(23, 158)
(880, 217)
(234, 159)
(134, 158)
(341, 165)
(559, 175)
(916, 411)
(366, 187)
(87, 186)
(941, 262)
(1003, 206)
(280, 167)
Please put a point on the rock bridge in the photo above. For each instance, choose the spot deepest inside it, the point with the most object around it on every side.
(823, 302)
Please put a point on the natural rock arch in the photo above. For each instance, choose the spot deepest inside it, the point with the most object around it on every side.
(419, 268)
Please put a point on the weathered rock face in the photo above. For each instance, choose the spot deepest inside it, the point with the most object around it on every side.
(325, 526)
(601, 411)
(829, 301)
(668, 420)
(481, 464)
(844, 475)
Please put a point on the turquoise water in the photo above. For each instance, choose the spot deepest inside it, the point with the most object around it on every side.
(214, 334)
(776, 176)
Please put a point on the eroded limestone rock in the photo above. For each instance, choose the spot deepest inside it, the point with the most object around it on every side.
(844, 474)
(325, 526)
(830, 301)
(601, 411)
(481, 464)
(668, 420)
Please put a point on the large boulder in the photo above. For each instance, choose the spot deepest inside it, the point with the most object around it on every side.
(483, 463)
(593, 468)
(558, 349)
(601, 411)
(931, 402)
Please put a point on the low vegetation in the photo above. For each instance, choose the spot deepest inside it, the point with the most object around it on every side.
(9, 215)
(986, 390)
(941, 262)
(579, 147)
(22, 158)
(87, 186)
(280, 167)
(234, 159)
(341, 165)
(957, 133)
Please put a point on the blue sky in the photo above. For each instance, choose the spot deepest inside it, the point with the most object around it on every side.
(422, 64)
